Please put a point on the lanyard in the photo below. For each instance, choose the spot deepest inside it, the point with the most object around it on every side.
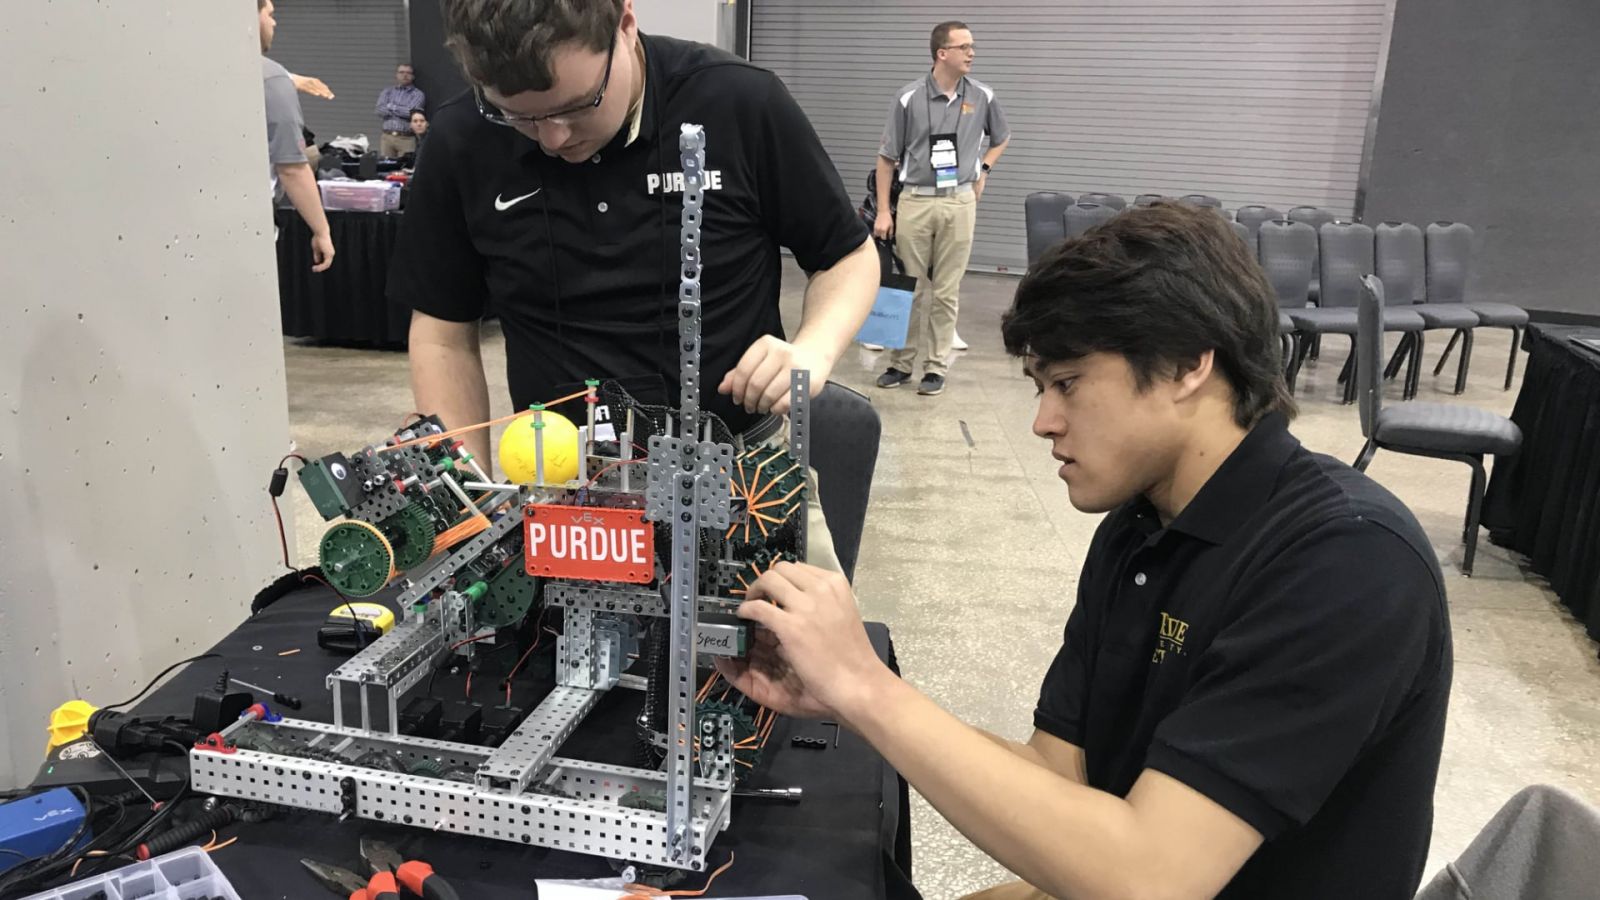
(960, 102)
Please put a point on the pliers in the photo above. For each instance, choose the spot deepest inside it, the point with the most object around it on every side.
(415, 876)
(343, 881)
(391, 872)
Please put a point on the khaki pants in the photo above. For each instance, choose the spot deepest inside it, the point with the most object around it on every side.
(1016, 890)
(933, 234)
(394, 146)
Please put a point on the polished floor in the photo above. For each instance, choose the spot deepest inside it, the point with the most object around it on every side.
(971, 554)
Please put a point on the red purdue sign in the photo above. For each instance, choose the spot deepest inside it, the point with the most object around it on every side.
(589, 543)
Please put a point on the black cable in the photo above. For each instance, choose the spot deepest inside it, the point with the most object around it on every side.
(157, 680)
(355, 621)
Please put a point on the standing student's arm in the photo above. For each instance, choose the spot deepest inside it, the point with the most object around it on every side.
(437, 272)
(805, 208)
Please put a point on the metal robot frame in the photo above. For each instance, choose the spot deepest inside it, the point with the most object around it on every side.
(522, 791)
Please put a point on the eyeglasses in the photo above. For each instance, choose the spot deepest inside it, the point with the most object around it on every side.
(964, 48)
(562, 117)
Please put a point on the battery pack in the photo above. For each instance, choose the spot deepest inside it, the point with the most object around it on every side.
(38, 826)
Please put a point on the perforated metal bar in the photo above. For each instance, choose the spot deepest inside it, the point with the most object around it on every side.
(514, 763)
(564, 823)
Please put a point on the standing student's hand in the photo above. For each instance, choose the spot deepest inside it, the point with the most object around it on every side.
(306, 84)
(321, 251)
(760, 382)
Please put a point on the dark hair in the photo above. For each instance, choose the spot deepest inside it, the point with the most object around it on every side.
(1159, 285)
(507, 44)
(417, 112)
(941, 33)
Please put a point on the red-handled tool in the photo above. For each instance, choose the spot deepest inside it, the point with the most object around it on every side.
(343, 881)
(415, 876)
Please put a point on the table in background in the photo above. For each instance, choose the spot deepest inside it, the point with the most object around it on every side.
(348, 303)
(848, 839)
(1545, 501)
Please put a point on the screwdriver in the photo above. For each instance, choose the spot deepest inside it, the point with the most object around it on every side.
(284, 699)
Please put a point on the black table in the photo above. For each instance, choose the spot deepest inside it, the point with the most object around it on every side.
(847, 840)
(1545, 501)
(348, 303)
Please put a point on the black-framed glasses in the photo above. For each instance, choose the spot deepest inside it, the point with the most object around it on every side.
(964, 48)
(511, 120)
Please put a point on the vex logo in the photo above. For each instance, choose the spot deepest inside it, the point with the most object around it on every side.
(52, 814)
(672, 182)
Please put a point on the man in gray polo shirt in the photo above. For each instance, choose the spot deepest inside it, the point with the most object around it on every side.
(937, 124)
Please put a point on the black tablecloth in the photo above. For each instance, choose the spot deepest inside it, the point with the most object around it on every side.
(1545, 501)
(847, 840)
(347, 303)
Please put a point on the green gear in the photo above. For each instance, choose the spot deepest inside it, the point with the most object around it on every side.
(427, 768)
(743, 727)
(410, 532)
(511, 594)
(356, 558)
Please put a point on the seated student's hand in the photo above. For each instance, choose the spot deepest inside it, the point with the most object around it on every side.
(810, 657)
(760, 382)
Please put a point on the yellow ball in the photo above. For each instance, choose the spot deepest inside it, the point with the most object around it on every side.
(519, 450)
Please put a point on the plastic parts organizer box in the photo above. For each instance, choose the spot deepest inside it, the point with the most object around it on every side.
(187, 874)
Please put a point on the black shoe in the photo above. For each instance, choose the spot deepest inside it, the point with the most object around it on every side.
(931, 384)
(893, 378)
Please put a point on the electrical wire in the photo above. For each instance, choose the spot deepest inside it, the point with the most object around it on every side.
(157, 680)
(355, 620)
(434, 438)
(645, 892)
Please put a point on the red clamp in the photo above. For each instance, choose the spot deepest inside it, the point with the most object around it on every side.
(215, 744)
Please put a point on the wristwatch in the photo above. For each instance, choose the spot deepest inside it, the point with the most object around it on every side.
(986, 168)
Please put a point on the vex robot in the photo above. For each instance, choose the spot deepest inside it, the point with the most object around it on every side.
(643, 557)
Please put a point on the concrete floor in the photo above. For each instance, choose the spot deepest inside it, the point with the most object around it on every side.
(971, 554)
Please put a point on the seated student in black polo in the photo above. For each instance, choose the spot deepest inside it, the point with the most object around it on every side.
(1250, 697)
(551, 196)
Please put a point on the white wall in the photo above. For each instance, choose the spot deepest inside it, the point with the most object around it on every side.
(142, 402)
(694, 20)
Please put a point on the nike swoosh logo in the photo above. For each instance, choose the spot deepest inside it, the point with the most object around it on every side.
(501, 205)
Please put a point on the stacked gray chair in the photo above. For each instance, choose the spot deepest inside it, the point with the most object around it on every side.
(1042, 212)
(1399, 257)
(1147, 199)
(1081, 217)
(1114, 201)
(1286, 249)
(1449, 260)
(1346, 253)
(1252, 216)
(1316, 218)
(1439, 430)
(1202, 200)
(1244, 235)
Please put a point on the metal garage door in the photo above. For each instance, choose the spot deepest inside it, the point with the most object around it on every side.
(354, 46)
(1250, 101)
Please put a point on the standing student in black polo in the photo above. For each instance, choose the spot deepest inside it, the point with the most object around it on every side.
(1250, 697)
(551, 196)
